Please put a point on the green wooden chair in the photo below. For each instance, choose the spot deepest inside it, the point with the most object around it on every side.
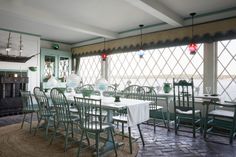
(184, 107)
(28, 107)
(226, 112)
(155, 109)
(45, 111)
(91, 121)
(63, 116)
(130, 92)
(110, 91)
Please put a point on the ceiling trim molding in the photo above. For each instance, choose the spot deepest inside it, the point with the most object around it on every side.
(158, 10)
(206, 32)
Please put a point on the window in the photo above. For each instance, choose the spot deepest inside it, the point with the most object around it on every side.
(90, 69)
(156, 67)
(226, 71)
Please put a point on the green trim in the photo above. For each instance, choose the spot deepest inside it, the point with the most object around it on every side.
(14, 31)
(13, 70)
(212, 13)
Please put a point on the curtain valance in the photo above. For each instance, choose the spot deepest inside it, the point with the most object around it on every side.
(205, 32)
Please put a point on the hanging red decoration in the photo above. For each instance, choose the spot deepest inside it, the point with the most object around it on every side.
(104, 56)
(192, 46)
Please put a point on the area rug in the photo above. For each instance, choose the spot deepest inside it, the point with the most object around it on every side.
(16, 142)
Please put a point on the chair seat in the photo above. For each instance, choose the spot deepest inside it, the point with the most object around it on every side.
(95, 127)
(120, 118)
(189, 112)
(72, 118)
(222, 113)
(156, 107)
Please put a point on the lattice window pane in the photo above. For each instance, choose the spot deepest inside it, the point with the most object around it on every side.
(156, 67)
(226, 71)
(90, 69)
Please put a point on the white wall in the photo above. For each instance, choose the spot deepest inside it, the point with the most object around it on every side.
(31, 46)
(48, 44)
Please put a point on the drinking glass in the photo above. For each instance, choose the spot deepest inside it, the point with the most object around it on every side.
(158, 88)
(196, 90)
(208, 90)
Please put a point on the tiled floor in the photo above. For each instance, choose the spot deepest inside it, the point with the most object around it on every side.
(164, 143)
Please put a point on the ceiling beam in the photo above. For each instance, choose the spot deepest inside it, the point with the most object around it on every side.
(158, 10)
(32, 14)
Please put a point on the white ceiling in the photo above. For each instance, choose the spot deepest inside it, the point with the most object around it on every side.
(77, 21)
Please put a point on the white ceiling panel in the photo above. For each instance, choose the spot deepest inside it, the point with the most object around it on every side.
(73, 21)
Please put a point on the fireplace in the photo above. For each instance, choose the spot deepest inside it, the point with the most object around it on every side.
(11, 82)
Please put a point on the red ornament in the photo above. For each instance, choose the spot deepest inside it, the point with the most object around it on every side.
(104, 56)
(192, 48)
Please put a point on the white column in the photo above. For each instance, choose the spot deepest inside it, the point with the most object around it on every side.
(104, 69)
(210, 67)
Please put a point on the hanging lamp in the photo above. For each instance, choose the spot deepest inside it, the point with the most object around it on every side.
(104, 55)
(141, 51)
(8, 48)
(192, 45)
(21, 45)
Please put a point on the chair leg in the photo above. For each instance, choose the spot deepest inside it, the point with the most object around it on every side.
(141, 134)
(205, 124)
(66, 136)
(31, 118)
(55, 131)
(154, 124)
(130, 141)
(47, 127)
(80, 143)
(232, 131)
(87, 139)
(23, 121)
(176, 127)
(163, 117)
(201, 125)
(97, 144)
(122, 128)
(37, 126)
(113, 141)
(194, 127)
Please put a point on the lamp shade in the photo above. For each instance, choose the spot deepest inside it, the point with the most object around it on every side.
(192, 48)
(73, 80)
(101, 84)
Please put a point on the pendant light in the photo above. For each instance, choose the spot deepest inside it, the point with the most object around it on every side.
(141, 51)
(104, 55)
(21, 45)
(8, 48)
(192, 45)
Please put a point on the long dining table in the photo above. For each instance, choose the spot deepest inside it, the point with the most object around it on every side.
(137, 111)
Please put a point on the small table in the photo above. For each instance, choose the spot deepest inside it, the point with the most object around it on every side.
(168, 97)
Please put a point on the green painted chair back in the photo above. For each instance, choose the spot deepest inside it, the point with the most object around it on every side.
(110, 91)
(134, 92)
(27, 101)
(183, 95)
(90, 113)
(42, 100)
(61, 105)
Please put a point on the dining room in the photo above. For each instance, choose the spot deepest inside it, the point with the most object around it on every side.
(117, 78)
